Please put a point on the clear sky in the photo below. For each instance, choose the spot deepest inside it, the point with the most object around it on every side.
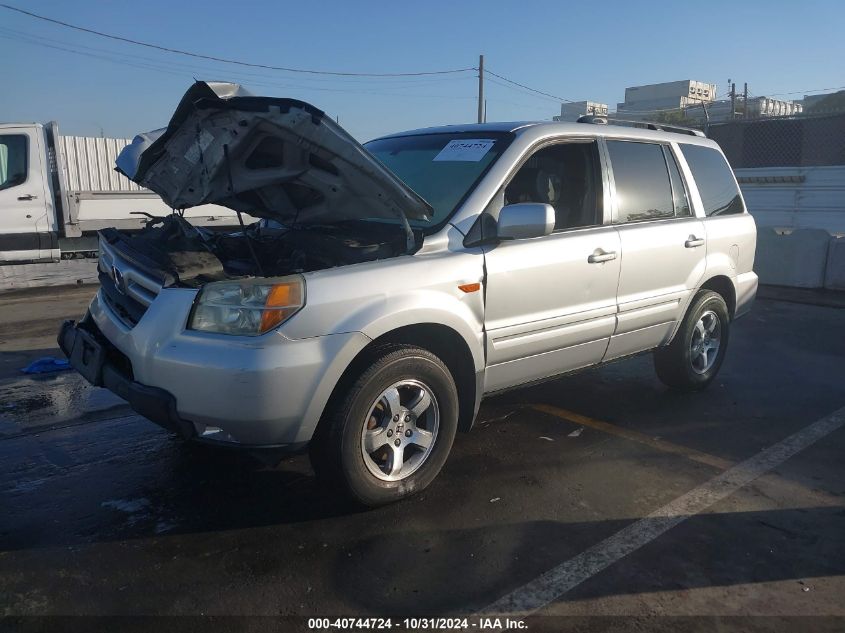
(583, 50)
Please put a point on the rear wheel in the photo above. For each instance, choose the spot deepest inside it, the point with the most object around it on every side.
(693, 358)
(388, 434)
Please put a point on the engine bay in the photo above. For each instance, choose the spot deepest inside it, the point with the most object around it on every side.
(197, 255)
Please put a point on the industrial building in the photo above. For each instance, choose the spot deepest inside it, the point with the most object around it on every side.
(695, 100)
(758, 108)
(767, 106)
(826, 102)
(574, 110)
(641, 102)
(810, 100)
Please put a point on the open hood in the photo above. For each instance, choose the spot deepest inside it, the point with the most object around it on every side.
(274, 158)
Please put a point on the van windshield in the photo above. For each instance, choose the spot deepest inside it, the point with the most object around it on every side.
(442, 168)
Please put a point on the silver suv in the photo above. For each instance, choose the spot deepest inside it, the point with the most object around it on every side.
(387, 288)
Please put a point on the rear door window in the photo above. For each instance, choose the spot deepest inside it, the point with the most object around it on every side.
(643, 190)
(716, 184)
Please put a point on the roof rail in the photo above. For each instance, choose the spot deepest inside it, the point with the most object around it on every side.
(645, 125)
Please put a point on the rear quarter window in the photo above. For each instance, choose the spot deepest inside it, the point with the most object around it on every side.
(716, 184)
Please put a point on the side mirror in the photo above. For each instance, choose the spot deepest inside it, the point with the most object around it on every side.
(524, 220)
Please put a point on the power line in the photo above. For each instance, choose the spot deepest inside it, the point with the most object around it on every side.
(520, 91)
(177, 71)
(121, 57)
(806, 92)
(516, 83)
(222, 59)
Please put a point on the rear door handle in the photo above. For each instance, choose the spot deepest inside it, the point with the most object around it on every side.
(28, 196)
(601, 256)
(694, 242)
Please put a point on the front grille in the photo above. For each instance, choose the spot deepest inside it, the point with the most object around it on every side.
(125, 288)
(124, 307)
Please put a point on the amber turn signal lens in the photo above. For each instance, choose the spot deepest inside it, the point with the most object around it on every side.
(286, 298)
(471, 287)
(284, 295)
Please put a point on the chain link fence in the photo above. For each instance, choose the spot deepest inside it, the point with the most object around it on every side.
(799, 141)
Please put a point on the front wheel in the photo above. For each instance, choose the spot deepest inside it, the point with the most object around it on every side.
(693, 358)
(389, 434)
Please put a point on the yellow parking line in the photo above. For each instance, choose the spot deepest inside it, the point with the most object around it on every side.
(635, 436)
(821, 497)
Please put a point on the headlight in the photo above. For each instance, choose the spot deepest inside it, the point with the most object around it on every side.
(247, 308)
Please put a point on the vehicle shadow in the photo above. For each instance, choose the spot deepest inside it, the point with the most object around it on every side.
(125, 478)
(461, 571)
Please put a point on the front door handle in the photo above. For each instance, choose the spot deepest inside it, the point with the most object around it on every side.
(28, 196)
(600, 256)
(694, 242)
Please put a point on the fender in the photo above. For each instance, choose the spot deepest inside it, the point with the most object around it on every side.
(372, 322)
(325, 387)
(422, 307)
(376, 298)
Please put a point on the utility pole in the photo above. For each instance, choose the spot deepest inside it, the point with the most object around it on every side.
(745, 102)
(733, 101)
(481, 88)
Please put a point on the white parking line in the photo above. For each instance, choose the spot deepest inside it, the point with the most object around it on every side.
(553, 584)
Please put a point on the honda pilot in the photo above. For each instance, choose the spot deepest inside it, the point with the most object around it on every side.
(389, 287)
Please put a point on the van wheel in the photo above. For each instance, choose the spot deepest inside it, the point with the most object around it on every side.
(388, 434)
(693, 358)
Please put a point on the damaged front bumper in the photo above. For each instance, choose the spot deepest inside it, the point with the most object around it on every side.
(263, 394)
(93, 357)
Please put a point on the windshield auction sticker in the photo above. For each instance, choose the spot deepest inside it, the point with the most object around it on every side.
(470, 150)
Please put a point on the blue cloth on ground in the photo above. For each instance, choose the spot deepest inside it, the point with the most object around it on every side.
(46, 365)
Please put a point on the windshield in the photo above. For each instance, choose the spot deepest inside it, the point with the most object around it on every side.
(442, 168)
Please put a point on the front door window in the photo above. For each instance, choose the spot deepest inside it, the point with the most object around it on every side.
(566, 176)
(13, 163)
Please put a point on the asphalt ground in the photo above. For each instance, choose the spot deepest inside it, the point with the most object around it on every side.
(595, 501)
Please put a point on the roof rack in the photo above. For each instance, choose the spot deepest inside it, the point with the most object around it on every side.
(645, 125)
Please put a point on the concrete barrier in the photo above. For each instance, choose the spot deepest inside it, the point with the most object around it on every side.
(796, 259)
(63, 273)
(834, 278)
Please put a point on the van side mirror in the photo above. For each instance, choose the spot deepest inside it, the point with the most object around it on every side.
(524, 220)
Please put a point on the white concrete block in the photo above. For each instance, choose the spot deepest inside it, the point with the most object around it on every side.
(798, 259)
(834, 278)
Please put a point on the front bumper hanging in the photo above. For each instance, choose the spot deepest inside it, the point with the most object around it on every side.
(89, 354)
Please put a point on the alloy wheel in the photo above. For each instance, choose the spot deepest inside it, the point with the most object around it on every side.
(704, 345)
(400, 430)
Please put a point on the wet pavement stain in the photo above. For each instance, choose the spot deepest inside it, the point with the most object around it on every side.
(31, 402)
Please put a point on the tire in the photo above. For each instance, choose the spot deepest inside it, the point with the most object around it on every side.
(693, 358)
(355, 447)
